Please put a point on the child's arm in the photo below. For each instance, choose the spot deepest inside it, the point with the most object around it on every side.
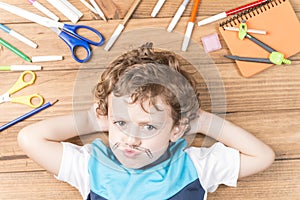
(255, 155)
(41, 141)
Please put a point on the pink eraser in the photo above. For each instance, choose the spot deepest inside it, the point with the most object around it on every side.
(211, 42)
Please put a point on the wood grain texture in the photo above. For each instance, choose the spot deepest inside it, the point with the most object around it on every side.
(280, 181)
(267, 105)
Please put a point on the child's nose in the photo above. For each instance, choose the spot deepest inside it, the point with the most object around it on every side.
(132, 137)
(132, 140)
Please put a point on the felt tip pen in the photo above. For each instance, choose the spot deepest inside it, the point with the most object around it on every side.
(98, 9)
(190, 26)
(89, 6)
(230, 12)
(177, 15)
(43, 9)
(67, 9)
(157, 7)
(14, 50)
(46, 58)
(25, 116)
(18, 36)
(20, 67)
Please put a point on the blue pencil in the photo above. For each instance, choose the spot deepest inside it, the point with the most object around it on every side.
(29, 114)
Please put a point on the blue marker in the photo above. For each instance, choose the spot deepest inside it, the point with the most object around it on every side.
(18, 36)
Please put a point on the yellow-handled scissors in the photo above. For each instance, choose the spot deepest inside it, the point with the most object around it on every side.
(20, 84)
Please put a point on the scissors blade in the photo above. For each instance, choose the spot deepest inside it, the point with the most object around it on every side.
(44, 21)
(4, 98)
(55, 30)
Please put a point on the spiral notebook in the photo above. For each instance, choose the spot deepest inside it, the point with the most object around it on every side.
(278, 18)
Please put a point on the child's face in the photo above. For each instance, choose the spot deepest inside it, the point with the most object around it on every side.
(138, 137)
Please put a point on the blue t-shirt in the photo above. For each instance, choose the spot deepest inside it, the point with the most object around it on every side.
(175, 177)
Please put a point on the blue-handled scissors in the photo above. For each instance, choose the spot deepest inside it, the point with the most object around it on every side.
(68, 33)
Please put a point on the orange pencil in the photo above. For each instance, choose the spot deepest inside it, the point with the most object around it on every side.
(190, 26)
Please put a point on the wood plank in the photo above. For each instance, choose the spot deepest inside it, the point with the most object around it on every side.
(267, 105)
(282, 90)
(281, 133)
(34, 185)
(241, 94)
(280, 181)
(144, 10)
(263, 84)
(50, 44)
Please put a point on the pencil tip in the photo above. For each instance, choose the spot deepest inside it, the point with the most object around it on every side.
(230, 57)
(55, 102)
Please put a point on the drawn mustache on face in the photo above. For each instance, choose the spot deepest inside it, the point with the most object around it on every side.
(136, 147)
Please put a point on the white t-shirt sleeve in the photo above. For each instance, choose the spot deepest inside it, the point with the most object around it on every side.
(74, 167)
(216, 165)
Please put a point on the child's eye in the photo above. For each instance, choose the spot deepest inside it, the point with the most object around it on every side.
(149, 127)
(120, 123)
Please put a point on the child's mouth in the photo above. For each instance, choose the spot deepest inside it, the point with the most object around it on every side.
(130, 153)
(133, 150)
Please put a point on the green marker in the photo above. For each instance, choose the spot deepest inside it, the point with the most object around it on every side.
(14, 50)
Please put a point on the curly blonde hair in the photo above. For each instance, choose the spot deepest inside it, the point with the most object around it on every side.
(145, 73)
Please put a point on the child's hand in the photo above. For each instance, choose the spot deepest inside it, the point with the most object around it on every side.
(202, 120)
(42, 141)
(255, 155)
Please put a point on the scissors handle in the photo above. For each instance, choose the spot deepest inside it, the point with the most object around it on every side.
(74, 43)
(72, 29)
(29, 100)
(21, 83)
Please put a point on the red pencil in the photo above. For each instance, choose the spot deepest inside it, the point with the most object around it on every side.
(230, 12)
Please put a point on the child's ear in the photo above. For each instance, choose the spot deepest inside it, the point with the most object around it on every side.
(179, 129)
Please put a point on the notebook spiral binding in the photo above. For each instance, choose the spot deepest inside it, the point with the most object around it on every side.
(252, 12)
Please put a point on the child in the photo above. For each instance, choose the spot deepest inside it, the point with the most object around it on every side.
(147, 103)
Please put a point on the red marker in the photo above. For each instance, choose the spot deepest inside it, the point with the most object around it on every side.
(230, 12)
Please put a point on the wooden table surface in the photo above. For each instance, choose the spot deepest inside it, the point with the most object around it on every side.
(268, 104)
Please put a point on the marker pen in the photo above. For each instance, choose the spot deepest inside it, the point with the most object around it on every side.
(14, 50)
(43, 9)
(18, 36)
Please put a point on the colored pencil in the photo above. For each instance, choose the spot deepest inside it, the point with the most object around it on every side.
(27, 115)
(121, 26)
